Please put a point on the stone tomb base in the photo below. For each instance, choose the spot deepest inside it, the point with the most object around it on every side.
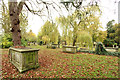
(70, 49)
(24, 59)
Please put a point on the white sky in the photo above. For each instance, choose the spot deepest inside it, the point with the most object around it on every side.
(109, 12)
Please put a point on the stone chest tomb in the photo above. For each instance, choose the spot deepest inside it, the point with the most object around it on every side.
(24, 59)
(69, 49)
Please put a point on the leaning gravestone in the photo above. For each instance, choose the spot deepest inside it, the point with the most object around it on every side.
(24, 59)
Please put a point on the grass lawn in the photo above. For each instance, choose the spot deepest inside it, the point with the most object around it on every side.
(56, 64)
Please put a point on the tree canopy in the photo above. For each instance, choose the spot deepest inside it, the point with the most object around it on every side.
(84, 19)
(49, 31)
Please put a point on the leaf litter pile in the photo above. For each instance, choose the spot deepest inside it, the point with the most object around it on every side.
(56, 64)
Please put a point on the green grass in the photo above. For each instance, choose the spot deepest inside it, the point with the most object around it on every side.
(56, 64)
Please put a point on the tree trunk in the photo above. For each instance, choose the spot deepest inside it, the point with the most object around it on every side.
(74, 37)
(65, 42)
(74, 40)
(14, 11)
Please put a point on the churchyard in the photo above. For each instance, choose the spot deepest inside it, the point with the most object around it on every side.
(59, 39)
(54, 63)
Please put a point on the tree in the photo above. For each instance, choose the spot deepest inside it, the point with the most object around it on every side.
(15, 9)
(51, 31)
(85, 39)
(5, 19)
(69, 37)
(83, 14)
(6, 26)
(90, 21)
(84, 19)
(23, 24)
(113, 33)
(94, 27)
(87, 20)
(117, 34)
(46, 39)
(64, 25)
(101, 36)
(39, 38)
(14, 12)
(31, 37)
(77, 4)
(6, 23)
(109, 28)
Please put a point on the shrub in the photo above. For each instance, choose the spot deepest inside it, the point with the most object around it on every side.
(41, 43)
(23, 42)
(6, 41)
(108, 43)
(6, 44)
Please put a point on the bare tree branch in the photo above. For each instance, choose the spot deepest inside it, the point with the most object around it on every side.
(48, 5)
(34, 4)
(34, 12)
(20, 6)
